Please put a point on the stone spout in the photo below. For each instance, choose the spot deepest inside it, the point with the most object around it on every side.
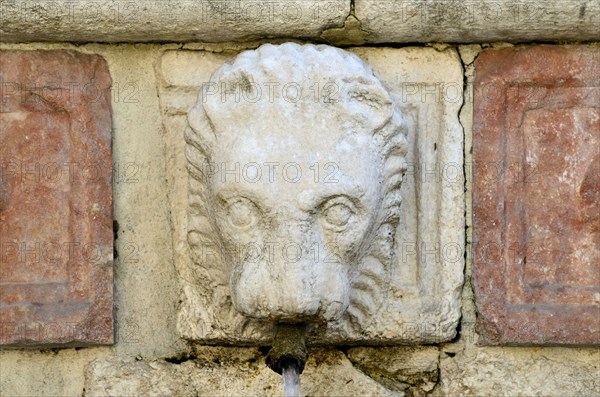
(289, 347)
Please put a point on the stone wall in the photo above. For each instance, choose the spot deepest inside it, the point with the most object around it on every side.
(149, 357)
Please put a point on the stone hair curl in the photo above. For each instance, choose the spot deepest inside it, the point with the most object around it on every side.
(318, 78)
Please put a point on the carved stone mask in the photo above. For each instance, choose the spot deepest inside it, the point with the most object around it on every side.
(296, 153)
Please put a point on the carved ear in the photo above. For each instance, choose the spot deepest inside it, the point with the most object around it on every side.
(369, 103)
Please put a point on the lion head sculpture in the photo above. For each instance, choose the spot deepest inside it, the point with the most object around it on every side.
(295, 155)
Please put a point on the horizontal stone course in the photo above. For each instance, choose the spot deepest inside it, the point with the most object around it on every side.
(167, 20)
(371, 21)
(406, 21)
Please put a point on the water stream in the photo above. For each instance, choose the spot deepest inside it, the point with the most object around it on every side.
(290, 374)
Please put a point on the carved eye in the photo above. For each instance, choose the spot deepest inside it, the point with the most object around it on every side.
(338, 213)
(242, 213)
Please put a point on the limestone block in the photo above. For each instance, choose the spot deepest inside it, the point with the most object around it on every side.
(56, 229)
(167, 20)
(389, 21)
(492, 371)
(420, 287)
(226, 373)
(373, 21)
(413, 370)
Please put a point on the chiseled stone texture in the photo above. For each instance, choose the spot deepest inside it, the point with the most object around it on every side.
(56, 230)
(56, 372)
(373, 21)
(536, 196)
(339, 222)
(411, 370)
(390, 21)
(167, 20)
(519, 371)
(426, 276)
(227, 372)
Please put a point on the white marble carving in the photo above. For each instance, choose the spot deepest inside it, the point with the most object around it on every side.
(294, 210)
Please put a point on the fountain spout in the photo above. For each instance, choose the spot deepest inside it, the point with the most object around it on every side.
(289, 347)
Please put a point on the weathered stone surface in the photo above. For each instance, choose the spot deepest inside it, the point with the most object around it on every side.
(168, 20)
(57, 372)
(536, 133)
(519, 371)
(413, 370)
(389, 21)
(227, 372)
(297, 246)
(145, 283)
(56, 199)
(425, 278)
(373, 21)
(144, 319)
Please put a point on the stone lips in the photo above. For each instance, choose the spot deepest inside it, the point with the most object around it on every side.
(56, 200)
(536, 133)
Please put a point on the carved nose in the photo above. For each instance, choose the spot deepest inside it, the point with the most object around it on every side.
(293, 281)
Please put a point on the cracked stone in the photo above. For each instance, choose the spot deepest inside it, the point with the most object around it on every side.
(238, 371)
(350, 34)
(413, 370)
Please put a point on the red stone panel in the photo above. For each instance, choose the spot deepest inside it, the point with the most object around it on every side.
(55, 199)
(536, 195)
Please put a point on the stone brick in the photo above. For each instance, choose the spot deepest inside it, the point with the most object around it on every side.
(55, 199)
(173, 21)
(389, 21)
(536, 195)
